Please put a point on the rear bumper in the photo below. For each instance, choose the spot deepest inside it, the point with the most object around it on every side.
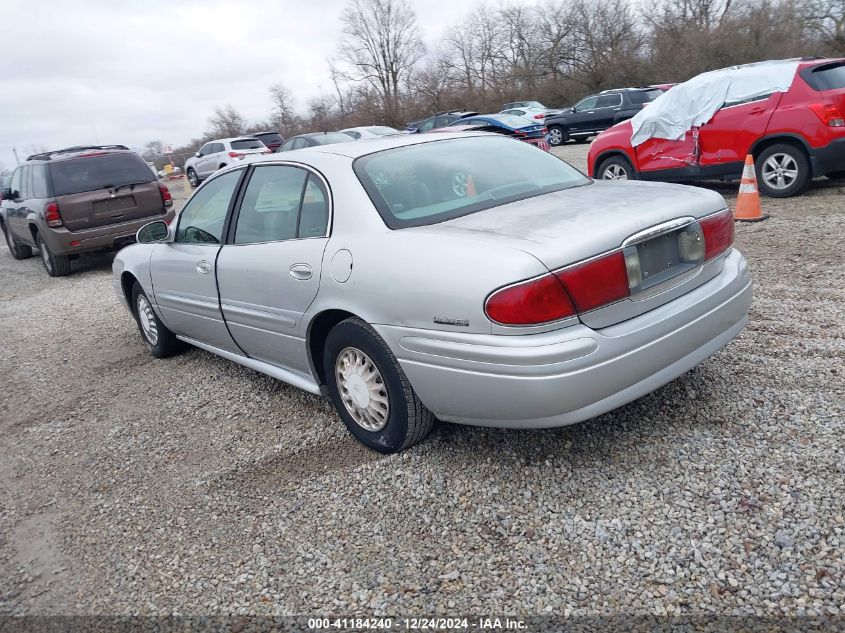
(829, 158)
(576, 373)
(101, 238)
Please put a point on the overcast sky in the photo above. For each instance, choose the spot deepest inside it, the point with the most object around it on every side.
(120, 71)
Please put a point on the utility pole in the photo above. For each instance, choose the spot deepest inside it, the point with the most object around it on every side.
(17, 160)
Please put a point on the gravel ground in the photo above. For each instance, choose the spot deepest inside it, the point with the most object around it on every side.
(193, 485)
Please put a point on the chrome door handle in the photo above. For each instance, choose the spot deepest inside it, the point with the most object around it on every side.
(203, 267)
(300, 271)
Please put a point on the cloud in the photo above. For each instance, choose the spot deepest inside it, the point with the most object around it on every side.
(99, 71)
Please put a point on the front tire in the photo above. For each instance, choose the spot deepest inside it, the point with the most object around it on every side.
(18, 251)
(159, 340)
(370, 391)
(557, 136)
(56, 265)
(192, 178)
(616, 168)
(783, 170)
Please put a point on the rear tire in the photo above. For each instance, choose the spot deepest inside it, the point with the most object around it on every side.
(159, 340)
(56, 265)
(557, 136)
(616, 168)
(370, 391)
(783, 170)
(192, 178)
(18, 251)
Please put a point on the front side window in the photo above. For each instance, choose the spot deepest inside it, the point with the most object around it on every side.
(426, 125)
(205, 150)
(586, 104)
(16, 182)
(433, 182)
(201, 220)
(26, 183)
(281, 202)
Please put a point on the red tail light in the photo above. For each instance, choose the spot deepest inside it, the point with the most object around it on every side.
(531, 302)
(52, 215)
(829, 114)
(539, 116)
(596, 282)
(718, 234)
(236, 155)
(591, 284)
(166, 198)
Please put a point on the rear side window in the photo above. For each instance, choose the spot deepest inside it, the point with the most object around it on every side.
(105, 171)
(608, 101)
(39, 188)
(828, 77)
(644, 96)
(249, 143)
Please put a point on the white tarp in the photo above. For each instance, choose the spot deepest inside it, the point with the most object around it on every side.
(694, 102)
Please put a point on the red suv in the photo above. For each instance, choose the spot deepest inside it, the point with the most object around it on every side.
(794, 136)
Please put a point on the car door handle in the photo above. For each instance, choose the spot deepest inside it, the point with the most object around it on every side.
(203, 267)
(300, 271)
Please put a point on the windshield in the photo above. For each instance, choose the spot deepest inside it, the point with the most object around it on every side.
(433, 182)
(104, 171)
(331, 137)
(248, 143)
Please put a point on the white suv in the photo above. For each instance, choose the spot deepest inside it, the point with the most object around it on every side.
(217, 154)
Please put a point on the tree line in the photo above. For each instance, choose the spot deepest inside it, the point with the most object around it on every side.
(553, 52)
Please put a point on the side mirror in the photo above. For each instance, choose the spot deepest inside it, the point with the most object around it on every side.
(153, 232)
(572, 109)
(198, 154)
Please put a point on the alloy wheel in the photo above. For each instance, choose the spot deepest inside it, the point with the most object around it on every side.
(192, 178)
(614, 172)
(780, 171)
(147, 320)
(45, 256)
(555, 136)
(362, 389)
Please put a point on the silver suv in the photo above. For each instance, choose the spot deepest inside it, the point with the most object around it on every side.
(221, 153)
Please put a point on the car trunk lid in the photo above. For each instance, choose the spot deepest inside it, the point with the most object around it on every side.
(568, 227)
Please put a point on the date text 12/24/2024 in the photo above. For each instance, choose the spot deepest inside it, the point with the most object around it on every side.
(417, 624)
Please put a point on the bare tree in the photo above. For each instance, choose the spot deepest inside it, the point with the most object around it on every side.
(226, 122)
(283, 116)
(826, 20)
(381, 44)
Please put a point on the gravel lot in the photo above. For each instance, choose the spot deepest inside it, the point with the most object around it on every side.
(193, 485)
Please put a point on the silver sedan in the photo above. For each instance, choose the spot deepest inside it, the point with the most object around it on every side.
(463, 277)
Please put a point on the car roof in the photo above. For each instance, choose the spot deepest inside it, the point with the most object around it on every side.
(76, 151)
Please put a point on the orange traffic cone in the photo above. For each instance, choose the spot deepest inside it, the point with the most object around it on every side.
(748, 201)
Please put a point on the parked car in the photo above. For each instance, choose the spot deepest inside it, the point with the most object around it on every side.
(314, 139)
(508, 124)
(441, 119)
(794, 135)
(79, 200)
(221, 153)
(534, 105)
(273, 140)
(597, 112)
(370, 131)
(535, 114)
(462, 277)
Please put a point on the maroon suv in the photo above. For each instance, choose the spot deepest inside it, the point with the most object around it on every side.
(79, 200)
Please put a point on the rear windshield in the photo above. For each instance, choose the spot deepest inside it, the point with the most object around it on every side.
(831, 77)
(511, 120)
(645, 96)
(248, 143)
(271, 137)
(433, 182)
(105, 171)
(331, 137)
